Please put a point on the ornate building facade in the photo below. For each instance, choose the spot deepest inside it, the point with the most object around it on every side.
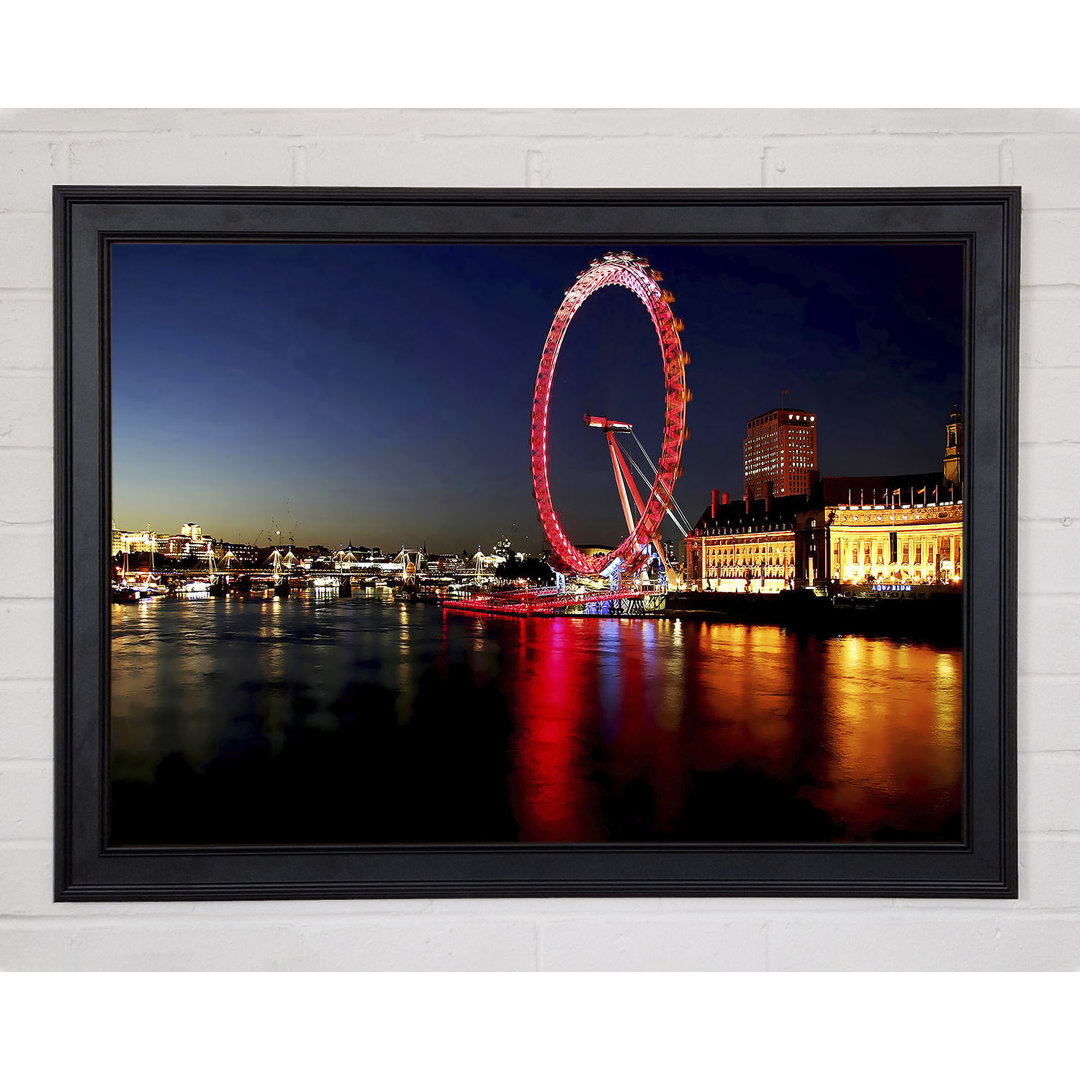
(898, 539)
(744, 546)
(886, 532)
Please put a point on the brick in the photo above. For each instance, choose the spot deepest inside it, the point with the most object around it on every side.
(26, 800)
(1049, 633)
(919, 941)
(1049, 327)
(130, 945)
(588, 124)
(668, 162)
(532, 908)
(1048, 708)
(240, 122)
(1049, 558)
(1049, 482)
(180, 159)
(25, 251)
(721, 907)
(28, 169)
(26, 408)
(711, 123)
(1049, 792)
(524, 122)
(25, 946)
(401, 162)
(26, 883)
(26, 709)
(656, 944)
(199, 945)
(26, 481)
(422, 944)
(26, 334)
(1037, 944)
(927, 941)
(26, 630)
(1047, 167)
(1050, 405)
(314, 911)
(26, 568)
(881, 162)
(62, 121)
(1050, 871)
(1050, 248)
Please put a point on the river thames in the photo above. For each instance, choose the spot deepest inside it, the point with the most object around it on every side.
(365, 720)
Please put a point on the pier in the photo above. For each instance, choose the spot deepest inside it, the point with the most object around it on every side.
(552, 601)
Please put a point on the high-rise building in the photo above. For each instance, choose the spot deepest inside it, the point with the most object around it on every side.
(780, 448)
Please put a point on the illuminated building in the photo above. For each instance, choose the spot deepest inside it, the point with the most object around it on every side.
(897, 530)
(907, 531)
(190, 542)
(887, 532)
(892, 530)
(236, 554)
(143, 541)
(780, 448)
(744, 546)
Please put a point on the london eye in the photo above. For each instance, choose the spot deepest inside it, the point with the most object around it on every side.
(634, 273)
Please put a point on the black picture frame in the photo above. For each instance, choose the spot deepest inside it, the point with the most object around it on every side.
(87, 220)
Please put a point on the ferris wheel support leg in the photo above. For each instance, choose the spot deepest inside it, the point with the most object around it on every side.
(615, 462)
(621, 465)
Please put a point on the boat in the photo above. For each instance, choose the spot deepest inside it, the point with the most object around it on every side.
(191, 590)
(149, 585)
(128, 594)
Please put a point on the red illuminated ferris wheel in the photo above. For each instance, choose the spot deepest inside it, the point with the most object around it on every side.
(634, 273)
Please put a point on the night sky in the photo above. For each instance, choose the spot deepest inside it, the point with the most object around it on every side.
(381, 394)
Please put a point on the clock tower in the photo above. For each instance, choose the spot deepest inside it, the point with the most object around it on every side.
(954, 448)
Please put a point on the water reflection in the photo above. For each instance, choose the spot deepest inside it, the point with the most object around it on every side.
(361, 720)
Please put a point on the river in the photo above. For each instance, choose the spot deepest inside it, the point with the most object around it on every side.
(364, 720)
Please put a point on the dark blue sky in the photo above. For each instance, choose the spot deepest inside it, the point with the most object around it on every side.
(382, 393)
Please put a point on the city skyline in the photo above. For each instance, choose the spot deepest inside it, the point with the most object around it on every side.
(380, 394)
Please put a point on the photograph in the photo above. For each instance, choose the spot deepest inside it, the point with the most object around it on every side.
(535, 542)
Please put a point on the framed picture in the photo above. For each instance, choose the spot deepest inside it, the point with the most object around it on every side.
(386, 564)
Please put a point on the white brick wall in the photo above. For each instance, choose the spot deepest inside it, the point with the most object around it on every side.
(1038, 149)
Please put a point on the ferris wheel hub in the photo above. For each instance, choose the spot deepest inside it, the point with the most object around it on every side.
(605, 424)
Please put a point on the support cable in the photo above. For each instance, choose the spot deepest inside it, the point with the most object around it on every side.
(682, 525)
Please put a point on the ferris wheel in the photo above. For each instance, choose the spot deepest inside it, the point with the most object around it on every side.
(634, 273)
